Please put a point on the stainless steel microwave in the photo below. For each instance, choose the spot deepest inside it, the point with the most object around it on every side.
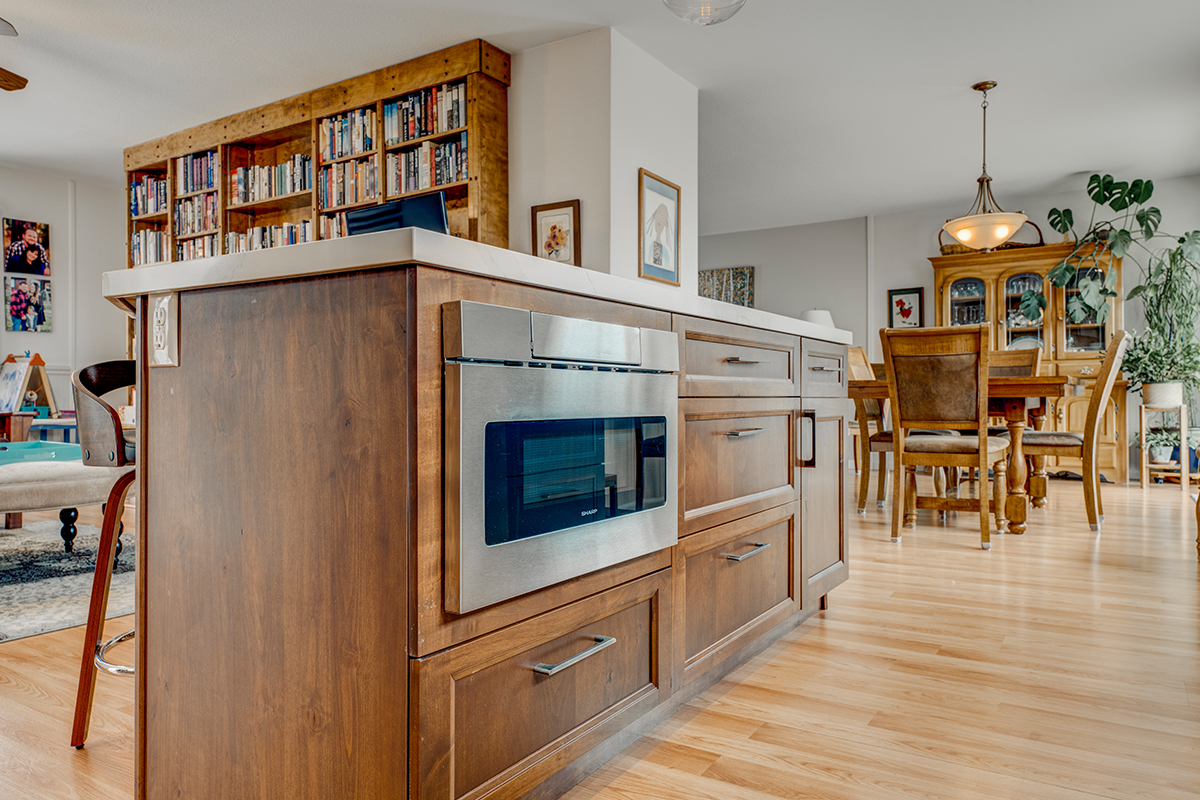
(561, 448)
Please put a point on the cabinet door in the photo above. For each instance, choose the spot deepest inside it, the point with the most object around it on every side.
(1070, 414)
(824, 369)
(967, 300)
(822, 435)
(1086, 339)
(500, 714)
(737, 458)
(1017, 332)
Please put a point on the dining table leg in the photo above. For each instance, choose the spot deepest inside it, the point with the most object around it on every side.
(1015, 506)
(1038, 480)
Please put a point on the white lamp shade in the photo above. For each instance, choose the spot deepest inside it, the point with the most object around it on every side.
(985, 231)
(704, 12)
(819, 316)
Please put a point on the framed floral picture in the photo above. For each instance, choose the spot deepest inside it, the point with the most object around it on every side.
(906, 308)
(556, 233)
(658, 233)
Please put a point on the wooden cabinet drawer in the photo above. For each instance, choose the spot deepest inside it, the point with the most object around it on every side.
(733, 582)
(823, 369)
(738, 458)
(1086, 371)
(721, 360)
(492, 724)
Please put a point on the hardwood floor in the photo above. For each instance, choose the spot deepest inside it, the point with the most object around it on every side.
(1061, 665)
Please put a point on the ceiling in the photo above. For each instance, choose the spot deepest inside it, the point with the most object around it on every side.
(810, 110)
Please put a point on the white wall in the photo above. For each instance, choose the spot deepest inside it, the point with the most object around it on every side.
(87, 238)
(585, 114)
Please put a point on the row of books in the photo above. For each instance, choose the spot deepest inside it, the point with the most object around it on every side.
(429, 111)
(147, 196)
(148, 247)
(196, 172)
(347, 134)
(248, 184)
(200, 247)
(427, 166)
(267, 236)
(333, 226)
(348, 182)
(196, 214)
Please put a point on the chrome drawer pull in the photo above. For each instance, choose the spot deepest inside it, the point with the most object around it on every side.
(553, 669)
(744, 432)
(758, 548)
(739, 360)
(838, 370)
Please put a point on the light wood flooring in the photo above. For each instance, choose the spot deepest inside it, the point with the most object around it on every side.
(1061, 665)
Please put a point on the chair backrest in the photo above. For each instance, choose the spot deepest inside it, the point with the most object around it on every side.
(937, 377)
(1104, 385)
(98, 424)
(1014, 363)
(860, 370)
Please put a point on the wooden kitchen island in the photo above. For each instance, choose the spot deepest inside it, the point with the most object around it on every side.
(292, 636)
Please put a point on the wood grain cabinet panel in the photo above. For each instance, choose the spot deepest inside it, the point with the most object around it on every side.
(823, 484)
(732, 582)
(823, 370)
(491, 725)
(737, 458)
(721, 360)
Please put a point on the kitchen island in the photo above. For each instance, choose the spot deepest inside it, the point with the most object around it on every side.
(293, 633)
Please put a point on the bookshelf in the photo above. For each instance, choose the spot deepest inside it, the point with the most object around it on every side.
(286, 173)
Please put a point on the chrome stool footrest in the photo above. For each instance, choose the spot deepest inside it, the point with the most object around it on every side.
(102, 650)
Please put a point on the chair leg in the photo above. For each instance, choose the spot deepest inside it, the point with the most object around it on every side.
(98, 607)
(1000, 493)
(910, 496)
(939, 488)
(898, 503)
(1091, 488)
(864, 480)
(985, 524)
(885, 477)
(68, 517)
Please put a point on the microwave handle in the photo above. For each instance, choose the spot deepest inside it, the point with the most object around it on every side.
(810, 440)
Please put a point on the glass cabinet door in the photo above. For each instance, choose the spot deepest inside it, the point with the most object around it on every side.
(967, 302)
(1086, 338)
(1019, 332)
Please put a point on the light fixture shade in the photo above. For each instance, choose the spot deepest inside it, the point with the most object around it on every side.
(820, 316)
(704, 12)
(6, 28)
(985, 231)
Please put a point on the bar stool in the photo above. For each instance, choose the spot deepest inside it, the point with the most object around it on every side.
(104, 444)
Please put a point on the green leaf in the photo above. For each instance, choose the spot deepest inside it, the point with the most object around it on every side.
(1120, 197)
(1100, 189)
(1061, 274)
(1135, 292)
(1147, 190)
(1191, 245)
(1141, 190)
(1076, 309)
(1148, 219)
(1110, 280)
(1102, 313)
(1089, 291)
(1061, 220)
(1119, 241)
(1032, 304)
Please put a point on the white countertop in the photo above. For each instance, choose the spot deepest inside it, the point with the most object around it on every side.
(416, 246)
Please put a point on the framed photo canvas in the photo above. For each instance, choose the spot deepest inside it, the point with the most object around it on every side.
(906, 308)
(658, 234)
(26, 247)
(556, 234)
(29, 304)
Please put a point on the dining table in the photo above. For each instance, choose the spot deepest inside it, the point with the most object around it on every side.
(1021, 401)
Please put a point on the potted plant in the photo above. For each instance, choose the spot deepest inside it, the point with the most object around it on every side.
(1162, 367)
(1160, 442)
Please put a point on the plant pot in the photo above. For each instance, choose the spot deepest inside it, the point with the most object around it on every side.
(1160, 454)
(1168, 394)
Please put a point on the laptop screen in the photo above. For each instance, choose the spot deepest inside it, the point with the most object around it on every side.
(427, 211)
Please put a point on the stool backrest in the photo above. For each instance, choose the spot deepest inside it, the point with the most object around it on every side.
(98, 424)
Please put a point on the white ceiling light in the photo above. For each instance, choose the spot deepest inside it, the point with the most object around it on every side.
(704, 12)
(10, 81)
(986, 225)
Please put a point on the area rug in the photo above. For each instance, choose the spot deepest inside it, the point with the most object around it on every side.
(44, 588)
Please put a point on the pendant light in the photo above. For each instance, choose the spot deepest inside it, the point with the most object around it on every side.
(704, 12)
(986, 225)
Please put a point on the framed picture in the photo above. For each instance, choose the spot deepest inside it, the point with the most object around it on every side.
(28, 304)
(556, 233)
(658, 234)
(729, 284)
(26, 247)
(906, 308)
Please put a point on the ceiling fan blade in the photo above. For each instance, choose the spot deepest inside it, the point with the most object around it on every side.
(11, 81)
(6, 28)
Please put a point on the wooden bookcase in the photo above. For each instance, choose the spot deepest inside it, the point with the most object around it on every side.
(275, 134)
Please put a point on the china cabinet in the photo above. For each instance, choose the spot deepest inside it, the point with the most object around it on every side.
(975, 288)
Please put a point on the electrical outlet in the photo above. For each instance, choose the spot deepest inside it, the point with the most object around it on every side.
(164, 329)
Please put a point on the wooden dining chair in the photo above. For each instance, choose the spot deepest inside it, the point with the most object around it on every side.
(937, 380)
(1086, 446)
(1006, 363)
(104, 444)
